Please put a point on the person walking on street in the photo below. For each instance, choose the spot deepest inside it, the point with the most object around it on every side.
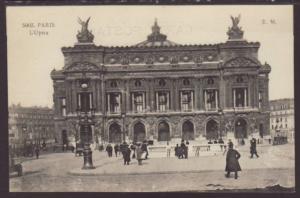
(117, 149)
(168, 149)
(109, 150)
(139, 153)
(144, 148)
(253, 148)
(133, 147)
(37, 151)
(126, 155)
(177, 150)
(232, 163)
(187, 147)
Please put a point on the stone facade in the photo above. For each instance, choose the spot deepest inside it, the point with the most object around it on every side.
(30, 124)
(161, 90)
(282, 118)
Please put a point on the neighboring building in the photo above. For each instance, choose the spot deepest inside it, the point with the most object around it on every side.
(161, 90)
(30, 124)
(282, 118)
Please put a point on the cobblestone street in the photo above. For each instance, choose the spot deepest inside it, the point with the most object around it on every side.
(62, 172)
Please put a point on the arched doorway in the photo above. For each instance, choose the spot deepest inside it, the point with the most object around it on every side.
(240, 128)
(139, 133)
(86, 133)
(64, 137)
(212, 129)
(163, 131)
(187, 130)
(261, 130)
(115, 134)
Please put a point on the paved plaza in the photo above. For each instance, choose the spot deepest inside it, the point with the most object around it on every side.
(62, 172)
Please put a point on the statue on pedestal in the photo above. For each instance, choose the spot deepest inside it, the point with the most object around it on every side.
(84, 36)
(235, 32)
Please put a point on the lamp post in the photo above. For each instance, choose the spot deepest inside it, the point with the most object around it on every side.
(86, 117)
(123, 117)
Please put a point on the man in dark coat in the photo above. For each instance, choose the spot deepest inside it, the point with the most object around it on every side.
(253, 148)
(126, 155)
(109, 150)
(117, 149)
(37, 151)
(232, 163)
(145, 148)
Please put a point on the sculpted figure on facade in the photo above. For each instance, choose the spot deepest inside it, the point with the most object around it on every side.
(84, 36)
(235, 32)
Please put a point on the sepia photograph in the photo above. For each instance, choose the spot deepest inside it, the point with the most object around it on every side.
(151, 98)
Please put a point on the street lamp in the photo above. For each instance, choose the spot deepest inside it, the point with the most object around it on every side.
(123, 117)
(86, 117)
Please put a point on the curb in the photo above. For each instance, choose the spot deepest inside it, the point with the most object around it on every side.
(158, 173)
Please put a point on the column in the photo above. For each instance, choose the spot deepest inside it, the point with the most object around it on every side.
(108, 103)
(103, 94)
(144, 101)
(245, 97)
(156, 101)
(73, 96)
(233, 98)
(91, 100)
(192, 100)
(196, 89)
(79, 100)
(216, 97)
(168, 101)
(205, 99)
(133, 107)
(127, 97)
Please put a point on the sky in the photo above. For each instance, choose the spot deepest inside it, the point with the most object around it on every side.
(31, 57)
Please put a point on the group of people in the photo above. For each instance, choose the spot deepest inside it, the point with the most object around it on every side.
(132, 151)
(182, 151)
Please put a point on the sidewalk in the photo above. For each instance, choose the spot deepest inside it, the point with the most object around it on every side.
(114, 166)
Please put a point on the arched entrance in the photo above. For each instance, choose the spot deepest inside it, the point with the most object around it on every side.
(64, 137)
(115, 134)
(163, 131)
(187, 130)
(86, 133)
(240, 128)
(139, 133)
(212, 129)
(261, 130)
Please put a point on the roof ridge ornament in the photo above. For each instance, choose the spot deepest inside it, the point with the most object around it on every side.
(235, 32)
(156, 35)
(85, 35)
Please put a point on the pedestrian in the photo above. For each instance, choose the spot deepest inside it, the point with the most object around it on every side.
(109, 150)
(168, 149)
(253, 148)
(145, 148)
(176, 150)
(37, 151)
(232, 163)
(187, 147)
(126, 155)
(139, 153)
(117, 149)
(270, 140)
(133, 147)
(197, 151)
(182, 150)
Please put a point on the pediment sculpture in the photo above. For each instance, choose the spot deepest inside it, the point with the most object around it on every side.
(241, 62)
(82, 66)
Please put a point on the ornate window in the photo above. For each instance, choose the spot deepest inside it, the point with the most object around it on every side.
(85, 101)
(211, 99)
(210, 81)
(138, 101)
(63, 106)
(239, 79)
(260, 99)
(114, 102)
(186, 100)
(240, 96)
(137, 83)
(113, 84)
(162, 101)
(162, 82)
(186, 82)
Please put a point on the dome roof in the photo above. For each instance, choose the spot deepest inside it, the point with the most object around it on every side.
(156, 38)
